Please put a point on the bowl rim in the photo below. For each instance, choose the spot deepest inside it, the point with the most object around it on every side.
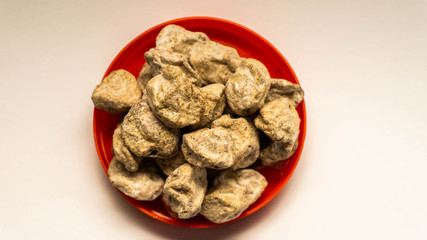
(303, 121)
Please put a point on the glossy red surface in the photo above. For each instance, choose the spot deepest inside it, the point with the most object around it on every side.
(249, 45)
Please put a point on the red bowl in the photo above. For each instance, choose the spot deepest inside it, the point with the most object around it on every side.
(249, 45)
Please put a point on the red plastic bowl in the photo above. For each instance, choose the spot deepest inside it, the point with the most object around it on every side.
(249, 45)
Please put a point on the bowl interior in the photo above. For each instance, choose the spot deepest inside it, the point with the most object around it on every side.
(249, 45)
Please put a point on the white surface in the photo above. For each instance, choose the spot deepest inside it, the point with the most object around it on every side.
(362, 64)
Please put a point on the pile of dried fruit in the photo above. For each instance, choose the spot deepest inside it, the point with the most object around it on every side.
(196, 113)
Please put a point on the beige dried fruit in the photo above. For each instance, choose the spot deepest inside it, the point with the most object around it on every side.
(214, 106)
(173, 99)
(146, 184)
(214, 62)
(279, 121)
(179, 39)
(282, 88)
(277, 151)
(210, 148)
(168, 165)
(185, 189)
(245, 138)
(146, 136)
(122, 153)
(170, 82)
(247, 88)
(117, 92)
(144, 76)
(231, 194)
(158, 58)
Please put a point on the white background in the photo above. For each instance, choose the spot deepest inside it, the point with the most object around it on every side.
(362, 64)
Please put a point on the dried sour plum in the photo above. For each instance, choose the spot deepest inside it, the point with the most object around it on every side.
(279, 120)
(247, 88)
(146, 184)
(145, 135)
(214, 62)
(185, 189)
(122, 153)
(232, 193)
(117, 92)
(179, 39)
(282, 88)
(173, 99)
(246, 140)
